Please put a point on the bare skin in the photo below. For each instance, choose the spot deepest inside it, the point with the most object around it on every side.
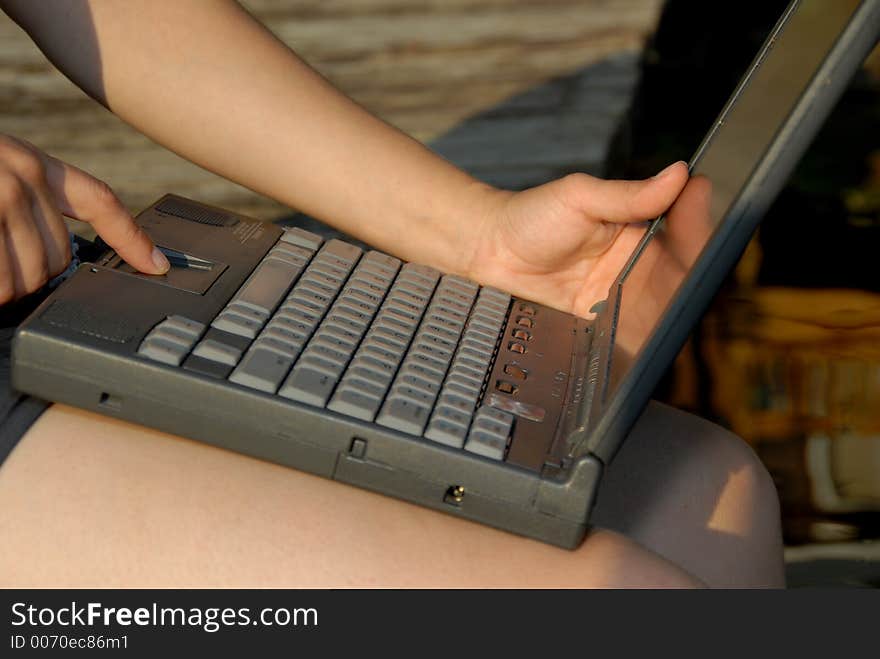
(89, 501)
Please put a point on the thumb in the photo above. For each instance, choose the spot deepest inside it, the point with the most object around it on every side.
(632, 201)
(85, 198)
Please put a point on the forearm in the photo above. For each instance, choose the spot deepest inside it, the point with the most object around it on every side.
(210, 83)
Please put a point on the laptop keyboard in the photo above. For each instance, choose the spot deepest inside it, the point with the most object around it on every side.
(361, 334)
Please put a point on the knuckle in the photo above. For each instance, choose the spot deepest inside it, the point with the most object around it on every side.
(104, 196)
(12, 190)
(22, 157)
(575, 180)
(30, 166)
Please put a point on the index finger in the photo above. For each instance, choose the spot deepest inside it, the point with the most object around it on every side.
(83, 197)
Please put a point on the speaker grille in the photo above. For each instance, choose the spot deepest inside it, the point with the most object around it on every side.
(195, 213)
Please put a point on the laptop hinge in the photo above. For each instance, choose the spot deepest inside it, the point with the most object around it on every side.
(595, 369)
(586, 367)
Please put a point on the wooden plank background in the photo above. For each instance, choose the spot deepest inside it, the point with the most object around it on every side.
(516, 91)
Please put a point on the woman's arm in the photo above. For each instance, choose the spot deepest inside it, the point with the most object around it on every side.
(212, 84)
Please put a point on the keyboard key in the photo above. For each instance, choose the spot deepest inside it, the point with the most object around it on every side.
(372, 349)
(329, 340)
(242, 310)
(292, 332)
(299, 311)
(291, 252)
(314, 286)
(287, 259)
(493, 422)
(429, 387)
(207, 367)
(341, 250)
(333, 327)
(392, 346)
(332, 272)
(424, 272)
(335, 320)
(482, 443)
(403, 414)
(451, 414)
(184, 325)
(379, 378)
(371, 300)
(301, 237)
(333, 355)
(389, 337)
(218, 352)
(414, 289)
(495, 295)
(266, 286)
(462, 388)
(463, 369)
(290, 350)
(382, 259)
(236, 324)
(434, 352)
(306, 299)
(465, 378)
(318, 363)
(435, 365)
(444, 432)
(350, 401)
(458, 401)
(365, 386)
(308, 385)
(173, 335)
(162, 350)
(262, 369)
(415, 369)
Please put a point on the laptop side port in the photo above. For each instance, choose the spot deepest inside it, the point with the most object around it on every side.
(454, 495)
(110, 402)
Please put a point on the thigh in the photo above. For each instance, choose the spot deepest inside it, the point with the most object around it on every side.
(90, 501)
(698, 495)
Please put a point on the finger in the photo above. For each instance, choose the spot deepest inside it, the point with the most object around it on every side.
(27, 255)
(630, 201)
(29, 262)
(28, 165)
(50, 224)
(7, 276)
(87, 199)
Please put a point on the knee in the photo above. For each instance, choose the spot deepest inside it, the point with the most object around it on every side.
(721, 467)
(675, 461)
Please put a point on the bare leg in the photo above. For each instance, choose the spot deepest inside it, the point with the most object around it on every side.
(90, 501)
(93, 502)
(697, 495)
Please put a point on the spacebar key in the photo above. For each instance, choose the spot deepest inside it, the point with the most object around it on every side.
(267, 285)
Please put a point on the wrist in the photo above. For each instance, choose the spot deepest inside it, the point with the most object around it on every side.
(477, 230)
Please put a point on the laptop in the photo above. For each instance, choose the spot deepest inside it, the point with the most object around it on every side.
(394, 377)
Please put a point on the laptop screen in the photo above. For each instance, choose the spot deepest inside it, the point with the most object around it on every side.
(720, 170)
